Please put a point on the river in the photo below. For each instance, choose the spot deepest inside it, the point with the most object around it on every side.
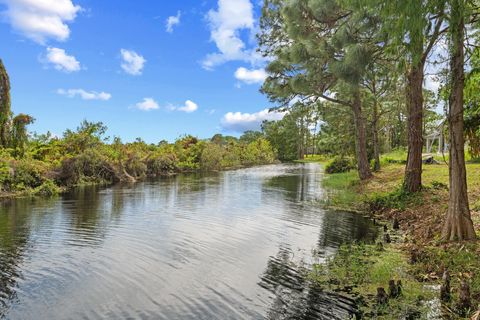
(196, 246)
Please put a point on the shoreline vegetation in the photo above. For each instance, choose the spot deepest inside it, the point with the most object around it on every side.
(409, 249)
(51, 165)
(361, 68)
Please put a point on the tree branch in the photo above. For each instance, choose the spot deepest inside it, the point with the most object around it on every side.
(436, 33)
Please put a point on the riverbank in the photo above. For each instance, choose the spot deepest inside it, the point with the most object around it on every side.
(421, 258)
(49, 188)
(50, 165)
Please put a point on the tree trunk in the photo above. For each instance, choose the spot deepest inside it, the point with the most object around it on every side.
(314, 147)
(314, 137)
(4, 105)
(413, 170)
(360, 138)
(458, 224)
(376, 146)
(301, 144)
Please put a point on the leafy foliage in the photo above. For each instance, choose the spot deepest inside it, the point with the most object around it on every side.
(339, 165)
(85, 156)
(472, 106)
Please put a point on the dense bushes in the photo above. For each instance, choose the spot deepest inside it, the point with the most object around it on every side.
(216, 157)
(85, 156)
(399, 198)
(90, 166)
(21, 175)
(47, 189)
(159, 164)
(339, 165)
(211, 157)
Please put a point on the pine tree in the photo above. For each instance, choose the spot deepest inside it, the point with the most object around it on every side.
(379, 81)
(321, 51)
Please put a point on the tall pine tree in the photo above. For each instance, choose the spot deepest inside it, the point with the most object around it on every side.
(320, 50)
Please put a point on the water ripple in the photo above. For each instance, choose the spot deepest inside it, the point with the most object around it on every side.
(201, 246)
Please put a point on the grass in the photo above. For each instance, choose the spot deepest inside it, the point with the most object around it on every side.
(314, 158)
(342, 191)
(421, 216)
(395, 156)
(365, 268)
(345, 189)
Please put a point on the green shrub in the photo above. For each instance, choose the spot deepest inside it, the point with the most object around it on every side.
(88, 167)
(232, 156)
(397, 156)
(6, 176)
(135, 167)
(188, 151)
(211, 157)
(47, 189)
(397, 199)
(437, 185)
(28, 174)
(390, 161)
(162, 164)
(264, 151)
(339, 165)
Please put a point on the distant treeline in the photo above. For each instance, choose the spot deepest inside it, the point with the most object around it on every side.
(44, 164)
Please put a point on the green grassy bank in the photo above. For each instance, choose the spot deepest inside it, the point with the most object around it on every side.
(416, 256)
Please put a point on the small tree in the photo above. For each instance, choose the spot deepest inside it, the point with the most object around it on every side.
(5, 112)
(19, 136)
(88, 135)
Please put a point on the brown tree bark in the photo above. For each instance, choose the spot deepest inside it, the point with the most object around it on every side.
(376, 146)
(364, 171)
(301, 142)
(414, 93)
(375, 120)
(458, 223)
(4, 104)
(413, 169)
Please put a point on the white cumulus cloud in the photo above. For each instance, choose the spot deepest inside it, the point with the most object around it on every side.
(61, 60)
(226, 23)
(85, 95)
(250, 76)
(240, 122)
(147, 104)
(41, 20)
(172, 21)
(188, 107)
(132, 62)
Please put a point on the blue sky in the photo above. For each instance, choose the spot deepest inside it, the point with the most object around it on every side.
(149, 69)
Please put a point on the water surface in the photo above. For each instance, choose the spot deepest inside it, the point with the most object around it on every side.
(214, 246)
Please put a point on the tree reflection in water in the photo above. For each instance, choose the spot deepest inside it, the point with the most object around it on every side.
(15, 238)
(296, 297)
